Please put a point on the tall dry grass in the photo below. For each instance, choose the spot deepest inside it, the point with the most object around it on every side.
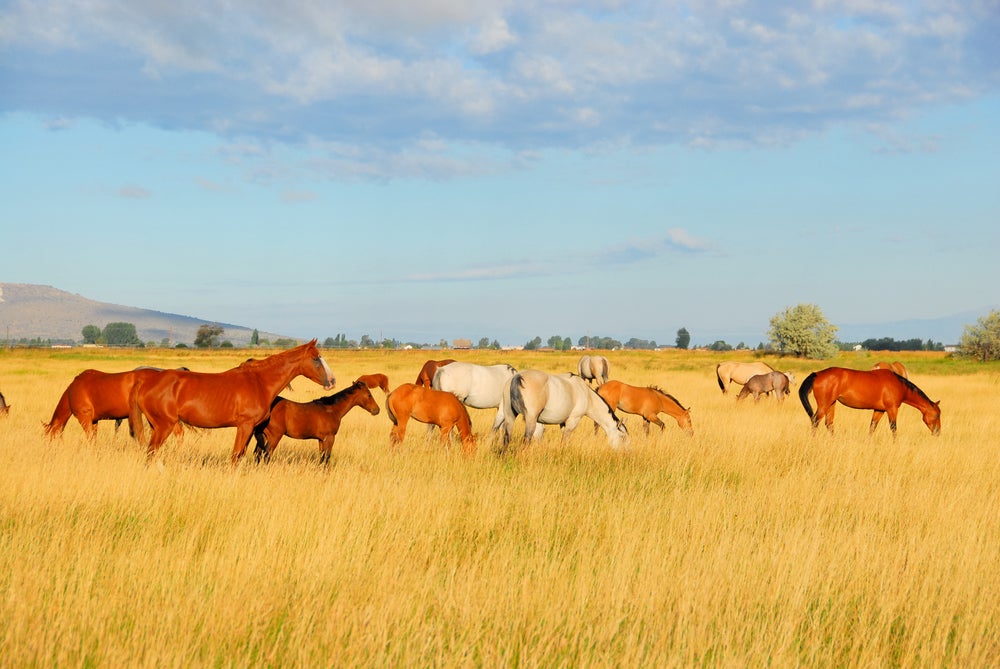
(752, 543)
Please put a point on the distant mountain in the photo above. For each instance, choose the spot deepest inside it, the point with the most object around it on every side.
(28, 311)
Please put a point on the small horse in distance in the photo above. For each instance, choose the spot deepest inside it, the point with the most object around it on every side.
(240, 397)
(375, 381)
(476, 386)
(594, 368)
(881, 390)
(319, 420)
(434, 407)
(765, 384)
(895, 366)
(738, 372)
(556, 399)
(426, 375)
(647, 402)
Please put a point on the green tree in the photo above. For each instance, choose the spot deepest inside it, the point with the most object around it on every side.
(683, 338)
(533, 344)
(208, 336)
(803, 331)
(255, 338)
(556, 343)
(982, 340)
(484, 343)
(121, 334)
(91, 333)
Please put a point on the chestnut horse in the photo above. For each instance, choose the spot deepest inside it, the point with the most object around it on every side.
(375, 381)
(435, 407)
(94, 396)
(4, 407)
(426, 375)
(319, 419)
(881, 390)
(895, 366)
(739, 372)
(594, 368)
(647, 402)
(240, 397)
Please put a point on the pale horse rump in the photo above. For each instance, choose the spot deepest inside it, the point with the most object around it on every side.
(556, 399)
(594, 368)
(476, 386)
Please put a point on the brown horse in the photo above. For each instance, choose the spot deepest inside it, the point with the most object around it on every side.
(240, 397)
(881, 390)
(427, 372)
(319, 419)
(94, 396)
(738, 372)
(4, 407)
(375, 381)
(647, 402)
(765, 384)
(435, 407)
(895, 366)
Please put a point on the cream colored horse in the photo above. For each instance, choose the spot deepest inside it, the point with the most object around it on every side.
(895, 366)
(739, 372)
(556, 399)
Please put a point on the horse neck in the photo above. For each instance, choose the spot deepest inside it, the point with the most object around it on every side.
(277, 371)
(916, 398)
(669, 405)
(600, 411)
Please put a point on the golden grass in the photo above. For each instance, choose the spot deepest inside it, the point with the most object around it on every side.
(752, 543)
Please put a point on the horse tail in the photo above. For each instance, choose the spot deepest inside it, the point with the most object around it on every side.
(60, 416)
(136, 426)
(804, 389)
(388, 408)
(718, 376)
(517, 407)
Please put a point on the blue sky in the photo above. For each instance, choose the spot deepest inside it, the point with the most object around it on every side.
(448, 169)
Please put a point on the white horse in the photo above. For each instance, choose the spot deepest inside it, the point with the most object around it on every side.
(476, 386)
(556, 399)
(593, 367)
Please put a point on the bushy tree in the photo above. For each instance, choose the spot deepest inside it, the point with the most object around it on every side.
(91, 333)
(533, 344)
(982, 340)
(803, 331)
(121, 334)
(484, 342)
(683, 338)
(208, 336)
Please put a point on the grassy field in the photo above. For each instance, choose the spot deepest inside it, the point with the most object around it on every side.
(751, 543)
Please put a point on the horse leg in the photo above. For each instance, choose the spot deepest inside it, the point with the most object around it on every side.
(892, 420)
(656, 421)
(325, 447)
(499, 420)
(244, 434)
(398, 430)
(645, 424)
(876, 417)
(829, 417)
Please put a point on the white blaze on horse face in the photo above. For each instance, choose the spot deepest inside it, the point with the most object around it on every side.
(329, 375)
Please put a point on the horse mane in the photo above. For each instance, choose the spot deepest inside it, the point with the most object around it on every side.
(340, 396)
(913, 387)
(668, 396)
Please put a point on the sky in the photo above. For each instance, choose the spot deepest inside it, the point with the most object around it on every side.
(447, 169)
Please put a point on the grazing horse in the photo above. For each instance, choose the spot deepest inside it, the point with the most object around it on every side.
(375, 381)
(895, 366)
(426, 375)
(319, 419)
(556, 399)
(647, 402)
(434, 407)
(738, 372)
(881, 390)
(4, 407)
(476, 386)
(94, 396)
(594, 368)
(763, 384)
(240, 397)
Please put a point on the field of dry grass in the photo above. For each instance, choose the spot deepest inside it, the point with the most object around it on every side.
(751, 543)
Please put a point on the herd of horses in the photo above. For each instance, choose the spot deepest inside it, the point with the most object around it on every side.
(247, 398)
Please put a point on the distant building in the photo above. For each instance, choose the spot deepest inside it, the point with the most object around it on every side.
(461, 343)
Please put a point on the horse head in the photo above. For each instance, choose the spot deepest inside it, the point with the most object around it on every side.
(932, 418)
